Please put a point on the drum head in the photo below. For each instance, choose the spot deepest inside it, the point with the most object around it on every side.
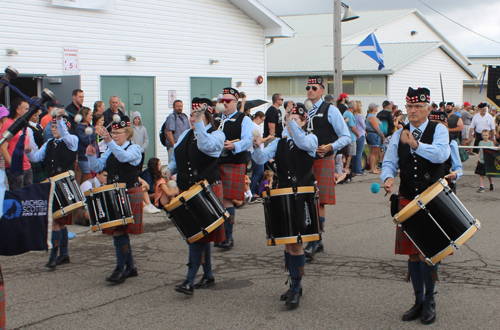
(187, 195)
(425, 197)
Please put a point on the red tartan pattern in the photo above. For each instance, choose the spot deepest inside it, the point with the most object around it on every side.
(135, 197)
(219, 234)
(324, 171)
(403, 244)
(66, 220)
(233, 181)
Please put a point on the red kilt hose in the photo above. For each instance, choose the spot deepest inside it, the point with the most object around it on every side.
(324, 171)
(403, 244)
(66, 220)
(2, 302)
(219, 234)
(135, 197)
(233, 181)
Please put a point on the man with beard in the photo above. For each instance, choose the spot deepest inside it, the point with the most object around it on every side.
(455, 122)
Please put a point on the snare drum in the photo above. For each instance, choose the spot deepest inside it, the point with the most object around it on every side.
(109, 207)
(292, 215)
(67, 195)
(196, 212)
(437, 222)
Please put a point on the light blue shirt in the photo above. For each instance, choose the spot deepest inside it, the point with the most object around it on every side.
(335, 118)
(70, 140)
(210, 144)
(456, 163)
(132, 155)
(350, 123)
(437, 152)
(2, 191)
(245, 141)
(305, 142)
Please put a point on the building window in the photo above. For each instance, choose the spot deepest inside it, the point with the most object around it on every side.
(370, 85)
(347, 85)
(280, 85)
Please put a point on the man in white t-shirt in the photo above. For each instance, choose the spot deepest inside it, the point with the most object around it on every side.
(480, 122)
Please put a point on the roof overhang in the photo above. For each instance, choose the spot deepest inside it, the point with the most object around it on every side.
(330, 73)
(273, 26)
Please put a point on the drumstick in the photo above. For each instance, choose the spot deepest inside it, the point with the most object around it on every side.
(235, 140)
(452, 173)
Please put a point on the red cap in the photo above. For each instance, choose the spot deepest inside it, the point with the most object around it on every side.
(466, 103)
(342, 96)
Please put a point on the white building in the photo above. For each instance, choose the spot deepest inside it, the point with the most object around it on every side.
(415, 55)
(148, 52)
(472, 87)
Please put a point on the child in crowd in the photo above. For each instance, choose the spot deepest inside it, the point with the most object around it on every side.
(266, 182)
(480, 168)
(163, 191)
(248, 194)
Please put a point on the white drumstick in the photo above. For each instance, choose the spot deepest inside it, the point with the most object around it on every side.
(116, 120)
(256, 133)
(78, 118)
(308, 104)
(172, 184)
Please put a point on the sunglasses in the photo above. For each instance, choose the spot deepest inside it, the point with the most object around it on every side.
(227, 101)
(315, 88)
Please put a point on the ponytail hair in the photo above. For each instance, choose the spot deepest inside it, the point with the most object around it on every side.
(259, 114)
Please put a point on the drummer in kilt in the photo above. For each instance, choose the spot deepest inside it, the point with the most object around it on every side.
(58, 155)
(419, 151)
(295, 144)
(195, 158)
(238, 131)
(120, 161)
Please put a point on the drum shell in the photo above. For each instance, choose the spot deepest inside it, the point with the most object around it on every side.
(67, 195)
(287, 215)
(108, 204)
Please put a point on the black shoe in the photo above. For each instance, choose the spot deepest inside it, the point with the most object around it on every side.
(413, 313)
(185, 288)
(52, 263)
(319, 247)
(429, 312)
(308, 251)
(216, 244)
(130, 272)
(227, 244)
(62, 260)
(204, 282)
(284, 296)
(117, 276)
(293, 299)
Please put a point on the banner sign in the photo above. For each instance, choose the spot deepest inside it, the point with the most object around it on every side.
(493, 89)
(491, 162)
(85, 4)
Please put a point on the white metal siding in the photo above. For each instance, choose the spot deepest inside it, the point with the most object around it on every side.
(424, 72)
(172, 40)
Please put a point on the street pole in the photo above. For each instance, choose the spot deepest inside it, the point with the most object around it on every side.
(337, 50)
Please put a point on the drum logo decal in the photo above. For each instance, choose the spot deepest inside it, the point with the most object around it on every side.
(99, 207)
(70, 195)
(306, 213)
(497, 163)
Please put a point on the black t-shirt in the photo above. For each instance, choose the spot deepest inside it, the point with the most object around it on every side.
(273, 116)
(71, 111)
(342, 107)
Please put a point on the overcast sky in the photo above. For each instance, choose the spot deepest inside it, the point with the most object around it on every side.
(481, 16)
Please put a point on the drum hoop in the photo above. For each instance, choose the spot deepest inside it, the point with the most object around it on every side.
(187, 195)
(111, 224)
(209, 229)
(413, 207)
(104, 188)
(68, 209)
(289, 191)
(60, 176)
(292, 239)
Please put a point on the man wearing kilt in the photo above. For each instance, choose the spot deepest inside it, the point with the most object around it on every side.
(238, 131)
(326, 122)
(120, 161)
(58, 155)
(419, 151)
(196, 158)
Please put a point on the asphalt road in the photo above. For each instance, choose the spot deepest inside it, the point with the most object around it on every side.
(357, 283)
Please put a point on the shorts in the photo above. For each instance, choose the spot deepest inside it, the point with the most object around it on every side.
(352, 148)
(465, 132)
(84, 166)
(373, 139)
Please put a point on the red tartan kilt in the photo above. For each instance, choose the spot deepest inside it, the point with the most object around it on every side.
(233, 181)
(135, 197)
(403, 244)
(66, 220)
(324, 171)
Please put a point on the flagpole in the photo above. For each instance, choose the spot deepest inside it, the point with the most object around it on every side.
(337, 50)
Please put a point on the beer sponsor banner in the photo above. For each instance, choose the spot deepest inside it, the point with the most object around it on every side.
(85, 4)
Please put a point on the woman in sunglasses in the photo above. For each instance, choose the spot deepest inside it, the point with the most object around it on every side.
(295, 144)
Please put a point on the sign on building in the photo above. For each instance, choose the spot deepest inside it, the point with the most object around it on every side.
(71, 63)
(172, 96)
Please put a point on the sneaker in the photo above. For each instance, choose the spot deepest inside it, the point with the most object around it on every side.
(151, 209)
(71, 235)
(255, 200)
(480, 190)
(492, 187)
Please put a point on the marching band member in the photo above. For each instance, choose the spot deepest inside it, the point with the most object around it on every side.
(295, 144)
(58, 158)
(419, 151)
(238, 131)
(120, 161)
(195, 158)
(327, 123)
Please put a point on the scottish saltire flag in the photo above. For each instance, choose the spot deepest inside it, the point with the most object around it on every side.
(370, 47)
(26, 219)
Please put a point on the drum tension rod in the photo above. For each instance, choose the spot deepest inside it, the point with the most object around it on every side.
(455, 246)
(476, 223)
(273, 242)
(421, 205)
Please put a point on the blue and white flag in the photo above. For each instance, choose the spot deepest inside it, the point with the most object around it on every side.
(370, 47)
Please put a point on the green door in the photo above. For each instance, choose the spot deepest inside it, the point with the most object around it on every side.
(208, 87)
(138, 94)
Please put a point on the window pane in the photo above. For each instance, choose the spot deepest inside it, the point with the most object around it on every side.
(370, 85)
(278, 85)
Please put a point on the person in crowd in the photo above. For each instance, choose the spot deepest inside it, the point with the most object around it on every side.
(176, 124)
(360, 142)
(99, 107)
(84, 140)
(480, 122)
(17, 165)
(386, 126)
(419, 151)
(342, 102)
(266, 181)
(140, 135)
(398, 120)
(4, 113)
(151, 175)
(115, 108)
(257, 169)
(98, 122)
(273, 123)
(248, 195)
(163, 191)
(120, 161)
(47, 117)
(35, 134)
(480, 168)
(147, 206)
(374, 137)
(351, 125)
(71, 110)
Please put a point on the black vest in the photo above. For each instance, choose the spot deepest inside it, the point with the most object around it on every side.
(294, 165)
(58, 159)
(119, 172)
(232, 130)
(192, 164)
(37, 134)
(416, 172)
(323, 129)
